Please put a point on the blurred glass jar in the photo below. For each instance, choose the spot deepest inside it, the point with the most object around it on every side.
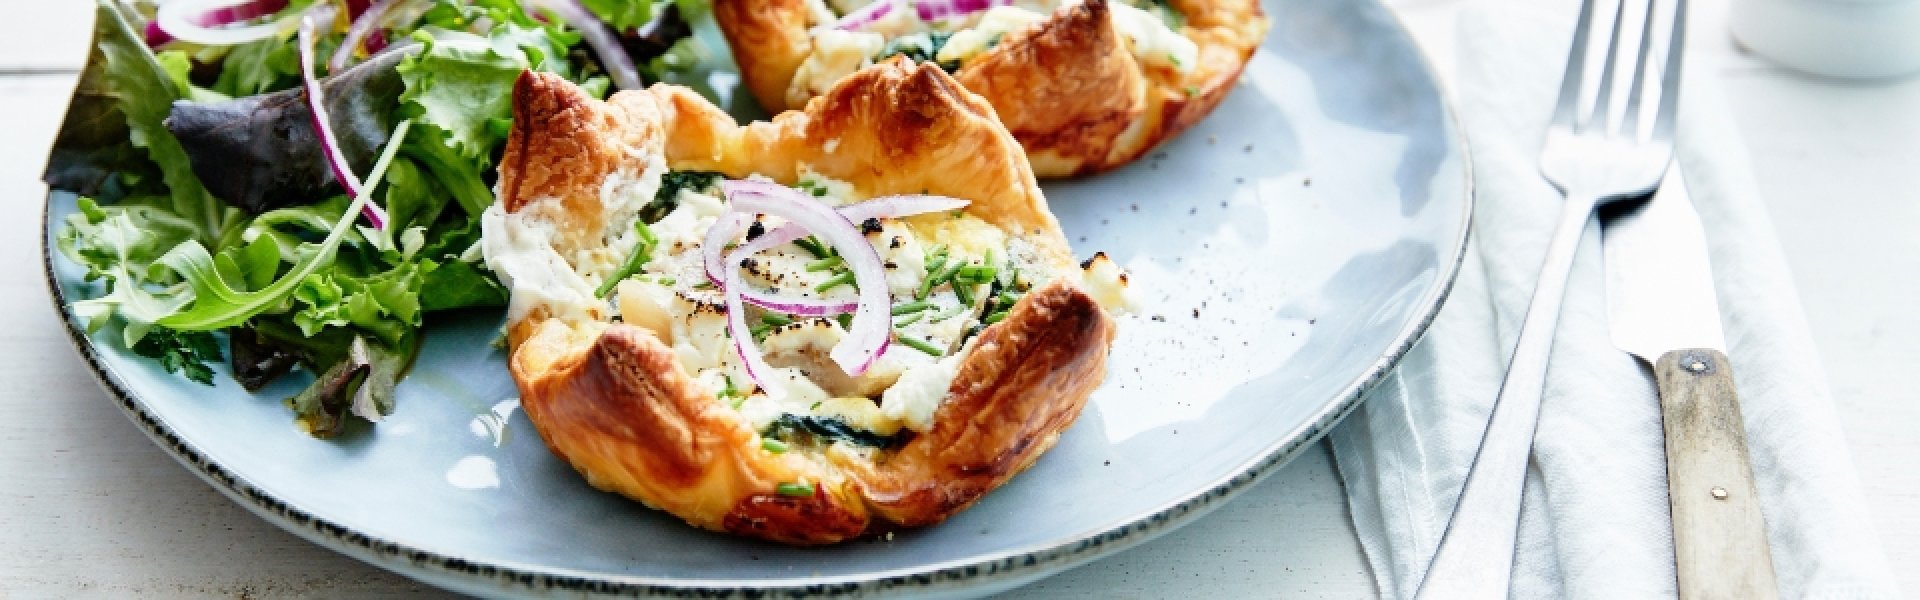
(1838, 38)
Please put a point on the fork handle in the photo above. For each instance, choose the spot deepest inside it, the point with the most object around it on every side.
(1719, 537)
(1475, 559)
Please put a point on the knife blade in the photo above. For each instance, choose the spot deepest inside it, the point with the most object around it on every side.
(1662, 308)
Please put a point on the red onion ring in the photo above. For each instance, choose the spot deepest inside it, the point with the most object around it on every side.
(757, 367)
(203, 21)
(330, 146)
(865, 15)
(872, 323)
(732, 224)
(930, 10)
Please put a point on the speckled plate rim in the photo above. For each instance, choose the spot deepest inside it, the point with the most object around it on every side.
(1004, 570)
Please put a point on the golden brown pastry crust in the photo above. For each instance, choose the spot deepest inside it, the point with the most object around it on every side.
(1068, 89)
(615, 402)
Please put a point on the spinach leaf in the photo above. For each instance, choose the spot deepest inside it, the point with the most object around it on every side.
(826, 430)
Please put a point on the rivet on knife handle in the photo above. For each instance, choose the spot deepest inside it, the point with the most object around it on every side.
(1719, 537)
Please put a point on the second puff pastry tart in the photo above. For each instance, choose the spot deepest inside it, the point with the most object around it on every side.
(1084, 85)
(658, 378)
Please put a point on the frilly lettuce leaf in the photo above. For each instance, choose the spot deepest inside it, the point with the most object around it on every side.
(259, 67)
(461, 83)
(621, 15)
(121, 246)
(146, 93)
(384, 304)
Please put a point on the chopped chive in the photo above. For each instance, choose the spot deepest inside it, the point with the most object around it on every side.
(915, 306)
(775, 319)
(976, 274)
(964, 291)
(939, 251)
(816, 406)
(801, 489)
(731, 392)
(949, 313)
(666, 280)
(996, 317)
(642, 252)
(836, 281)
(917, 344)
(759, 331)
(934, 280)
(813, 246)
(773, 445)
(825, 263)
(910, 320)
(704, 285)
(846, 320)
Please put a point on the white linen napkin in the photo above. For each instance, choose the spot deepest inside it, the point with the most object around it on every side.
(1595, 520)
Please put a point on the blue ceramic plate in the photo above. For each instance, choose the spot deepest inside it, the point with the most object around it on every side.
(1288, 249)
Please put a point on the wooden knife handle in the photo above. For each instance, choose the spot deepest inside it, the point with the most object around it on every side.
(1719, 536)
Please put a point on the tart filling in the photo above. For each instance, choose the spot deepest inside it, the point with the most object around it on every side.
(851, 34)
(947, 276)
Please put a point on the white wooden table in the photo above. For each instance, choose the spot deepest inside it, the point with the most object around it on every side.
(90, 507)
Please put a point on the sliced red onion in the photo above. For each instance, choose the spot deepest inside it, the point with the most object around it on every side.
(885, 207)
(368, 22)
(757, 367)
(871, 321)
(932, 10)
(204, 21)
(894, 207)
(730, 226)
(865, 15)
(713, 247)
(605, 44)
(330, 146)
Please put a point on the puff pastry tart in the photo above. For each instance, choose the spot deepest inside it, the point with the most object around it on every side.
(1084, 86)
(854, 317)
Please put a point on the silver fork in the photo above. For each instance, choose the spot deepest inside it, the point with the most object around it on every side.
(1593, 162)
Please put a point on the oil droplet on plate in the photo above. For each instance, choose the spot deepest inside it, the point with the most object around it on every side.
(474, 473)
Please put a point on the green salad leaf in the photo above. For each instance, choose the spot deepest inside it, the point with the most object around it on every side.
(621, 15)
(295, 279)
(121, 246)
(146, 93)
(216, 305)
(458, 88)
(259, 67)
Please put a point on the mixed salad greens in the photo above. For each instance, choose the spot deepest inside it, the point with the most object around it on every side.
(215, 154)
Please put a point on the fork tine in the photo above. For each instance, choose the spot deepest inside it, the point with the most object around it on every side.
(1631, 126)
(1670, 81)
(1576, 68)
(1602, 103)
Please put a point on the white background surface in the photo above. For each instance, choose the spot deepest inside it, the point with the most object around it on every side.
(89, 506)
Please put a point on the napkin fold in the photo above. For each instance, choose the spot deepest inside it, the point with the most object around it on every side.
(1595, 521)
